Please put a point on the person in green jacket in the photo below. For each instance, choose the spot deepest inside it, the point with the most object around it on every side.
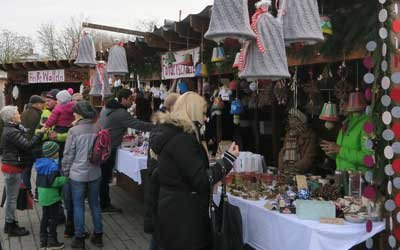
(350, 151)
(50, 183)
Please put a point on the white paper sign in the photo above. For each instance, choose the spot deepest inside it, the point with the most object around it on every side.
(46, 76)
(177, 70)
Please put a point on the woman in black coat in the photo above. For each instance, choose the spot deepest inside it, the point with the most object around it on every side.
(183, 221)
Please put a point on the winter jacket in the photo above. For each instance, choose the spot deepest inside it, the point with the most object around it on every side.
(75, 162)
(16, 145)
(30, 119)
(116, 118)
(61, 137)
(61, 116)
(49, 181)
(182, 220)
(351, 140)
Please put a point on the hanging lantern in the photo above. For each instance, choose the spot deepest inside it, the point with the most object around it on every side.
(356, 102)
(237, 61)
(117, 62)
(218, 55)
(230, 18)
(170, 58)
(86, 52)
(187, 60)
(326, 25)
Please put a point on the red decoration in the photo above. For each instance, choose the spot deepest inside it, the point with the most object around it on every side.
(368, 94)
(369, 226)
(369, 127)
(396, 165)
(368, 62)
(396, 26)
(233, 85)
(369, 161)
(369, 192)
(397, 233)
(396, 130)
(395, 94)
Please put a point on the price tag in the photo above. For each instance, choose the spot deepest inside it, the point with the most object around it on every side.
(301, 182)
(334, 221)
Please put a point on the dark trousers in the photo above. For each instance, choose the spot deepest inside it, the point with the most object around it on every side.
(26, 177)
(48, 224)
(153, 244)
(106, 178)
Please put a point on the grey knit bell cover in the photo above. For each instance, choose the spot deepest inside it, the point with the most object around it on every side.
(99, 82)
(272, 64)
(301, 22)
(86, 52)
(117, 62)
(229, 19)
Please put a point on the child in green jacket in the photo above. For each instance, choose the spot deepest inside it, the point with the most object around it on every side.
(50, 183)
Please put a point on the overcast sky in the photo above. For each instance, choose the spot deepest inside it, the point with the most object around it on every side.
(24, 16)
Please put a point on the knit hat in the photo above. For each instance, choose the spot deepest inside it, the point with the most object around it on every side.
(49, 149)
(63, 96)
(52, 94)
(36, 99)
(298, 114)
(85, 109)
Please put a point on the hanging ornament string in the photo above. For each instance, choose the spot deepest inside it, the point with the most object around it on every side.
(295, 89)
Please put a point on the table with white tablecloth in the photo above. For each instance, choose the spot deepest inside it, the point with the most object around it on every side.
(264, 229)
(130, 164)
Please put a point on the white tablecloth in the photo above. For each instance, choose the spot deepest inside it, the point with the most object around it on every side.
(130, 164)
(269, 230)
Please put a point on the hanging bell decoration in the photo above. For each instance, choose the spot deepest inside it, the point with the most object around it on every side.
(329, 115)
(301, 22)
(86, 52)
(326, 25)
(201, 70)
(230, 19)
(99, 82)
(237, 61)
(117, 62)
(218, 55)
(170, 58)
(187, 60)
(356, 102)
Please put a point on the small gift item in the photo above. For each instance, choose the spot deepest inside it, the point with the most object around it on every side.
(117, 62)
(369, 226)
(266, 58)
(229, 19)
(301, 22)
(86, 52)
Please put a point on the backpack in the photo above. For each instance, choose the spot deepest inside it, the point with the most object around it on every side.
(101, 149)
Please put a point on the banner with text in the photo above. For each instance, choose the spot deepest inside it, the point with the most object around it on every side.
(46, 76)
(177, 70)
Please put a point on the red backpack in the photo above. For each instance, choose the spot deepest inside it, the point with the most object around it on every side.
(101, 147)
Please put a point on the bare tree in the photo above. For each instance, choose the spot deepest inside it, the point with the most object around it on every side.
(68, 39)
(13, 46)
(146, 25)
(48, 39)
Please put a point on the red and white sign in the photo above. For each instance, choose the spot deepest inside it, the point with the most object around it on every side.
(46, 76)
(177, 70)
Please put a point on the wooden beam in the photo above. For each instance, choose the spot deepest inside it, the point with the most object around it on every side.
(113, 29)
(185, 31)
(155, 41)
(199, 24)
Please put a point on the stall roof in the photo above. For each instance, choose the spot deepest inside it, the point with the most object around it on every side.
(38, 65)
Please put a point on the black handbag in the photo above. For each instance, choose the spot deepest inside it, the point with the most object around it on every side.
(226, 222)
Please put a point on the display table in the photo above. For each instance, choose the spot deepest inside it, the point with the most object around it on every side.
(270, 230)
(130, 165)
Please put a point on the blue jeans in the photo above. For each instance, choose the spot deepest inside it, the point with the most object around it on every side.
(68, 202)
(79, 189)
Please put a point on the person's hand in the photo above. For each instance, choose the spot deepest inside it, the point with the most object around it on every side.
(330, 147)
(52, 135)
(234, 150)
(43, 130)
